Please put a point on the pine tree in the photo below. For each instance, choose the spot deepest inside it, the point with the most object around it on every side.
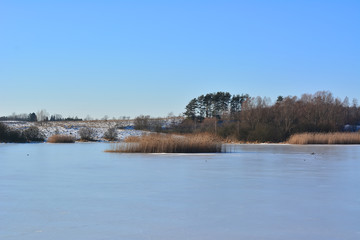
(191, 109)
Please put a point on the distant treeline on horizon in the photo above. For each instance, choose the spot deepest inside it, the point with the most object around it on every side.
(32, 117)
(43, 116)
(245, 118)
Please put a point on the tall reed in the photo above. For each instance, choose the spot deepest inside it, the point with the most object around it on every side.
(325, 138)
(61, 139)
(159, 143)
(132, 139)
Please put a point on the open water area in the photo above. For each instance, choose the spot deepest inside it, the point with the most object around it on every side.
(78, 191)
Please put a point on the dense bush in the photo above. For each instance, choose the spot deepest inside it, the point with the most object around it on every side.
(15, 136)
(3, 131)
(31, 134)
(10, 135)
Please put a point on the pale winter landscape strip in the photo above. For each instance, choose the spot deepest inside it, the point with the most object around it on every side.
(72, 128)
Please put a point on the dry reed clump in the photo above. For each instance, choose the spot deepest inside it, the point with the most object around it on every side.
(132, 139)
(160, 143)
(325, 138)
(61, 139)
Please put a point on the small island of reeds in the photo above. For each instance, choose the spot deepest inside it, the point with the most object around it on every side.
(325, 138)
(167, 143)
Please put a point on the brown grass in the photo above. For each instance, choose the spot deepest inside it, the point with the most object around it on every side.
(132, 139)
(325, 138)
(61, 139)
(160, 143)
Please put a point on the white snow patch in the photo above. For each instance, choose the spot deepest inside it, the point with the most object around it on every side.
(72, 128)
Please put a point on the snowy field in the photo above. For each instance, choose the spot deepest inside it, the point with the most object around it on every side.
(72, 128)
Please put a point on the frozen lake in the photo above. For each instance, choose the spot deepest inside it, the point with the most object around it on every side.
(77, 191)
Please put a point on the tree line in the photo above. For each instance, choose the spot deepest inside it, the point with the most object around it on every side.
(41, 116)
(245, 118)
(214, 105)
(241, 117)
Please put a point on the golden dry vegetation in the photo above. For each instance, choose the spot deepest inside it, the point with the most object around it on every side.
(325, 138)
(167, 143)
(61, 139)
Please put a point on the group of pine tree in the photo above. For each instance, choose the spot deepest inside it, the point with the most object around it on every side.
(241, 117)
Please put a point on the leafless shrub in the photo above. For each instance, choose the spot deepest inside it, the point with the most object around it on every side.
(142, 122)
(110, 134)
(87, 134)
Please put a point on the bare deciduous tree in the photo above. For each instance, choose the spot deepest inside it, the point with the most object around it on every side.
(42, 115)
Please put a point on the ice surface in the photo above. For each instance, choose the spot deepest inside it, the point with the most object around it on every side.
(77, 191)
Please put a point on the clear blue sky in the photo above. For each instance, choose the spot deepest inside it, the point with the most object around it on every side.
(126, 58)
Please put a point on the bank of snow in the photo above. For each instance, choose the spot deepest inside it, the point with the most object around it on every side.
(72, 128)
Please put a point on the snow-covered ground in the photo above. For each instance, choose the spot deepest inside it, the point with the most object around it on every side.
(72, 128)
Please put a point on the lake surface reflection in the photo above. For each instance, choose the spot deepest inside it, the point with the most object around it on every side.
(77, 191)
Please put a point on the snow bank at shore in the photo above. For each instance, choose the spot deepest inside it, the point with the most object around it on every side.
(72, 128)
